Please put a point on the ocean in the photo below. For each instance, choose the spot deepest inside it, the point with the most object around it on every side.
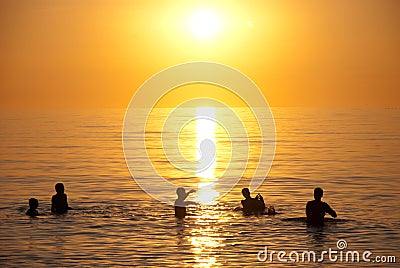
(353, 154)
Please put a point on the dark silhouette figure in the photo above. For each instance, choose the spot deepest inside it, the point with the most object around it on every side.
(59, 201)
(33, 205)
(316, 209)
(180, 203)
(252, 205)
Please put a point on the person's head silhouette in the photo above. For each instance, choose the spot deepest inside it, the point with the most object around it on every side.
(59, 188)
(318, 193)
(246, 192)
(181, 193)
(33, 203)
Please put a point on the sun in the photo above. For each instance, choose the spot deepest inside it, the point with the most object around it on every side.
(204, 24)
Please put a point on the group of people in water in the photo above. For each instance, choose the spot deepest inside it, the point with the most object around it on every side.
(59, 202)
(315, 209)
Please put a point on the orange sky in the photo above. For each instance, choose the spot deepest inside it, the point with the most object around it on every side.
(300, 53)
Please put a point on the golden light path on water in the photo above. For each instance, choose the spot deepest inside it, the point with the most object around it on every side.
(205, 130)
(205, 238)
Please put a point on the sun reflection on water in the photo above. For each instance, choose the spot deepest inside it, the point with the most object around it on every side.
(205, 130)
(205, 239)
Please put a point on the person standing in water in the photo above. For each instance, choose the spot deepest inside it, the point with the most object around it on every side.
(316, 209)
(180, 203)
(59, 201)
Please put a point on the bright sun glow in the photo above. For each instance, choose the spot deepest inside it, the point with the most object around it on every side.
(204, 24)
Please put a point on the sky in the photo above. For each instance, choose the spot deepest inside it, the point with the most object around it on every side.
(95, 54)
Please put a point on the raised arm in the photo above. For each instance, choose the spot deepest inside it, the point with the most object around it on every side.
(187, 194)
(262, 204)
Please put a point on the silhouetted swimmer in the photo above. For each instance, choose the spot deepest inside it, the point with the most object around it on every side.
(33, 205)
(316, 209)
(252, 205)
(180, 203)
(59, 201)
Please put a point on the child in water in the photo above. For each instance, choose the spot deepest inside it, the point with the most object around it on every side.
(33, 205)
(180, 203)
(59, 201)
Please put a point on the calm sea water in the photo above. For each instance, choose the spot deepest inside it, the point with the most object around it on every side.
(353, 154)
